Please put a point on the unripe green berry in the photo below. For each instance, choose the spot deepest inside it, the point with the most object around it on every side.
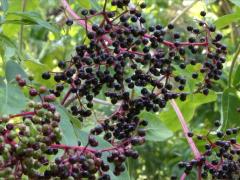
(36, 119)
(4, 118)
(27, 122)
(2, 128)
(31, 104)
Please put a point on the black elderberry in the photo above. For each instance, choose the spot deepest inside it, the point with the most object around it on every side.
(205, 91)
(190, 134)
(92, 11)
(195, 75)
(84, 12)
(143, 5)
(220, 134)
(190, 28)
(46, 75)
(69, 22)
(203, 13)
(217, 123)
(170, 26)
(182, 66)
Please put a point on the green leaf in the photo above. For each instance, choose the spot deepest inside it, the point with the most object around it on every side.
(12, 99)
(68, 135)
(236, 2)
(7, 41)
(22, 21)
(4, 5)
(187, 107)
(230, 103)
(156, 130)
(12, 69)
(209, 1)
(227, 19)
(84, 3)
(95, 5)
(236, 80)
(34, 17)
(36, 69)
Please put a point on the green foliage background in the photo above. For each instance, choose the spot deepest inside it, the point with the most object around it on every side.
(34, 37)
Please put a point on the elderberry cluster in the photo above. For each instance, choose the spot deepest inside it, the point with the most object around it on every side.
(135, 66)
(132, 66)
(220, 158)
(25, 138)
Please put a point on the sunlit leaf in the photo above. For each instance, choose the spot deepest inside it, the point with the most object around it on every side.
(4, 5)
(156, 130)
(227, 19)
(236, 2)
(12, 99)
(34, 17)
(229, 105)
(12, 69)
(187, 107)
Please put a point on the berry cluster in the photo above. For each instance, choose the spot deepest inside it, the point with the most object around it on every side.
(221, 157)
(26, 137)
(125, 56)
(133, 66)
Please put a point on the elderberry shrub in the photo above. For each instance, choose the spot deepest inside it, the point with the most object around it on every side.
(132, 65)
(220, 158)
(123, 57)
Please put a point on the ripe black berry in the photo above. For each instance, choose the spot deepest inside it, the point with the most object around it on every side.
(46, 75)
(203, 13)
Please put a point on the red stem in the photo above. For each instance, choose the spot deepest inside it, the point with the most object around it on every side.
(183, 176)
(87, 149)
(22, 114)
(66, 96)
(66, 147)
(191, 143)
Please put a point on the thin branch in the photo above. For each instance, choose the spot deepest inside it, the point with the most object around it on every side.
(104, 7)
(183, 176)
(74, 15)
(66, 96)
(24, 4)
(191, 143)
(96, 100)
(232, 65)
(182, 13)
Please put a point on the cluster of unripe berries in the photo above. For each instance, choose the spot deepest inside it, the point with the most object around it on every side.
(26, 137)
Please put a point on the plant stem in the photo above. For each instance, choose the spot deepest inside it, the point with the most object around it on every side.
(22, 114)
(66, 96)
(24, 4)
(182, 13)
(232, 65)
(191, 143)
(183, 176)
(66, 147)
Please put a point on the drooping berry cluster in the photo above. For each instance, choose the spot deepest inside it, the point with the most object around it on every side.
(125, 56)
(133, 66)
(29, 138)
(221, 157)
